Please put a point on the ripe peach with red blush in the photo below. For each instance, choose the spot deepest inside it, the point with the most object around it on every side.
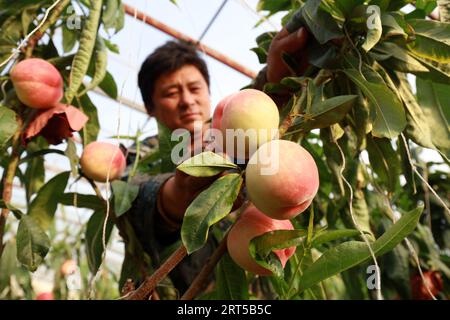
(253, 223)
(102, 160)
(282, 179)
(38, 83)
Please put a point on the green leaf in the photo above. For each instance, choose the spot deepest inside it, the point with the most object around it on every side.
(275, 240)
(349, 254)
(27, 17)
(323, 114)
(437, 72)
(69, 38)
(44, 205)
(417, 127)
(71, 153)
(400, 59)
(347, 6)
(99, 64)
(324, 56)
(374, 32)
(8, 263)
(432, 39)
(166, 145)
(320, 23)
(10, 207)
(80, 200)
(332, 235)
(109, 86)
(32, 243)
(33, 154)
(261, 247)
(273, 6)
(333, 157)
(34, 176)
(391, 27)
(444, 10)
(231, 281)
(434, 99)
(8, 125)
(83, 55)
(92, 127)
(390, 120)
(210, 206)
(109, 13)
(384, 161)
(111, 46)
(124, 195)
(361, 212)
(206, 164)
(94, 239)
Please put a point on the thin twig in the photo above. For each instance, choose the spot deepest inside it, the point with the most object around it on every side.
(413, 166)
(150, 283)
(363, 235)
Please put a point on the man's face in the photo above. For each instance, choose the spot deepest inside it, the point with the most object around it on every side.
(181, 98)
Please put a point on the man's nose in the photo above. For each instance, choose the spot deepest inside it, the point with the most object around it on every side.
(187, 98)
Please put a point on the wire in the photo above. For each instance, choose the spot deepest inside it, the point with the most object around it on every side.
(212, 21)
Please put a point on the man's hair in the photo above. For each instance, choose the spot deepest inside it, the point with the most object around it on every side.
(167, 58)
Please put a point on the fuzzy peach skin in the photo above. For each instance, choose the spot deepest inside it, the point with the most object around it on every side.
(250, 109)
(253, 223)
(69, 267)
(38, 83)
(96, 161)
(216, 122)
(282, 179)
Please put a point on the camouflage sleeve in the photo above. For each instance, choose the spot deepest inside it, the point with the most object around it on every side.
(156, 235)
(144, 216)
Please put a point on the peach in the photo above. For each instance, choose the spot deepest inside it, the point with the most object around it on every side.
(45, 296)
(69, 267)
(253, 223)
(282, 179)
(250, 118)
(38, 83)
(100, 157)
(216, 122)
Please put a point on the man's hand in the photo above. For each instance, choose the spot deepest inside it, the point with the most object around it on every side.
(291, 43)
(179, 191)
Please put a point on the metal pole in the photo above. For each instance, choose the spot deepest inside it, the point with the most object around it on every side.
(133, 12)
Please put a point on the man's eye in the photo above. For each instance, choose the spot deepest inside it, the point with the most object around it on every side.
(195, 89)
(170, 94)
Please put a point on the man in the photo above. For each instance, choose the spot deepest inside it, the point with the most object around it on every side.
(174, 84)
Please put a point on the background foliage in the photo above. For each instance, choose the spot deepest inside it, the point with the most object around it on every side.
(354, 110)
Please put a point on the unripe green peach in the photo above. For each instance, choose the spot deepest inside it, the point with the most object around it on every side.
(100, 157)
(38, 83)
(250, 118)
(253, 223)
(282, 179)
